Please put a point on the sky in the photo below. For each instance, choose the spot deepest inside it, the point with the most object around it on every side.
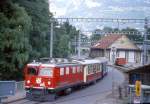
(101, 9)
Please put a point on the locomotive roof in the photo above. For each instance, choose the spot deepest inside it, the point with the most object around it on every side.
(60, 64)
(54, 64)
(65, 62)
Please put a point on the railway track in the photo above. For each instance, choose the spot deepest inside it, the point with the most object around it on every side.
(58, 101)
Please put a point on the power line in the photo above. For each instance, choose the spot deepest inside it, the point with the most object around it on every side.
(114, 20)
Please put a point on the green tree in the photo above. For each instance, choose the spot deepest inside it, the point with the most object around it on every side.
(63, 36)
(133, 34)
(15, 25)
(38, 10)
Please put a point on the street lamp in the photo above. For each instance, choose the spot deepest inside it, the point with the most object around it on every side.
(79, 45)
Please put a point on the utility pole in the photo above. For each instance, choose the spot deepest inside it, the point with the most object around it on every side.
(144, 42)
(118, 25)
(113, 61)
(79, 44)
(51, 35)
(51, 40)
(75, 45)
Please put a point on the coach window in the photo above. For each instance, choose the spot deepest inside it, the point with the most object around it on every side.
(67, 70)
(80, 68)
(97, 67)
(61, 71)
(100, 67)
(92, 67)
(89, 69)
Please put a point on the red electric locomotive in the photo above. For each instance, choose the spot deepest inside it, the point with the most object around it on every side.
(45, 79)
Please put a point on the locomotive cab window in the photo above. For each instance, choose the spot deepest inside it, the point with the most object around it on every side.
(32, 71)
(45, 72)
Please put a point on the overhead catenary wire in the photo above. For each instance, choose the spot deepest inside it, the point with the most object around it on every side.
(116, 20)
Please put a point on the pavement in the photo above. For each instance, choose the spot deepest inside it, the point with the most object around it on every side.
(106, 98)
(127, 67)
(18, 96)
(112, 98)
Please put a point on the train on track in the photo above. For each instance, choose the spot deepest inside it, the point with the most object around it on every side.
(46, 78)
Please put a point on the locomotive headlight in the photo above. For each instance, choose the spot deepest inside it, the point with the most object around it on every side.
(48, 82)
(28, 81)
(38, 80)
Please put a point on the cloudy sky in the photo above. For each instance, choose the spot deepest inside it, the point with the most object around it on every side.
(102, 9)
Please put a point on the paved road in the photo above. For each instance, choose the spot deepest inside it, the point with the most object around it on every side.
(90, 95)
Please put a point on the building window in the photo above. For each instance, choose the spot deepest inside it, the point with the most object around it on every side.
(118, 54)
(127, 55)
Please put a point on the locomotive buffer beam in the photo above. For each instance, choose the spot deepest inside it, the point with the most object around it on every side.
(40, 95)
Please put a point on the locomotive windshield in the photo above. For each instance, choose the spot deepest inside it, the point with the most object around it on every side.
(32, 71)
(45, 72)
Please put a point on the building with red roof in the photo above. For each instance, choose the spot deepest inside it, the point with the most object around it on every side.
(117, 45)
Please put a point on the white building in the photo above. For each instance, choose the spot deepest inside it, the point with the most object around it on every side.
(124, 48)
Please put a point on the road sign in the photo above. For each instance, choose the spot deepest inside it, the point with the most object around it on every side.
(136, 100)
(7, 88)
(138, 88)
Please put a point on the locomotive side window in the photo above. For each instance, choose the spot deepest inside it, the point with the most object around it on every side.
(45, 72)
(32, 71)
(67, 70)
(73, 69)
(61, 71)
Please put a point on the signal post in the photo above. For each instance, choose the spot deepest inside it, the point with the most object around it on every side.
(137, 97)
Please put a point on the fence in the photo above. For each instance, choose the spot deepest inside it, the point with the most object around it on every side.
(20, 86)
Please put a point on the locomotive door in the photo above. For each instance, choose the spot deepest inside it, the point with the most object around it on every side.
(85, 73)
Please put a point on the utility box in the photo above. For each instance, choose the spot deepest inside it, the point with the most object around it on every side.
(7, 88)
